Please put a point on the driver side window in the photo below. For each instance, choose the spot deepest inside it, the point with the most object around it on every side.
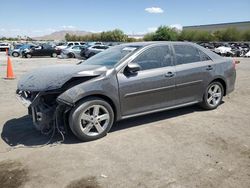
(154, 57)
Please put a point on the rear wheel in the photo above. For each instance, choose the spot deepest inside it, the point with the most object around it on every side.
(91, 119)
(213, 96)
(71, 55)
(15, 54)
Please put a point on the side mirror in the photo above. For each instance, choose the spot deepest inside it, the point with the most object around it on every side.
(132, 68)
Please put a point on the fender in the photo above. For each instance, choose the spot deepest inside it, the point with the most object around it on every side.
(100, 86)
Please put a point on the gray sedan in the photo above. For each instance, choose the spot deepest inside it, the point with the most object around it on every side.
(122, 82)
(93, 50)
(72, 51)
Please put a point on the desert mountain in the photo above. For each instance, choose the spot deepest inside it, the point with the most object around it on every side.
(59, 35)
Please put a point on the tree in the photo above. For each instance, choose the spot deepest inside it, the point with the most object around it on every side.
(245, 36)
(164, 33)
(186, 35)
(230, 34)
(67, 37)
(149, 37)
(202, 36)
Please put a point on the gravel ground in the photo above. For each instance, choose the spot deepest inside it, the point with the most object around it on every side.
(186, 147)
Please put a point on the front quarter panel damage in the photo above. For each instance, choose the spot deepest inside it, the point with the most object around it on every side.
(100, 86)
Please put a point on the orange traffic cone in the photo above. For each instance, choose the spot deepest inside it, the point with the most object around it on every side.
(10, 74)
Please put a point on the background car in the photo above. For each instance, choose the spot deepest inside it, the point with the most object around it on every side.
(94, 43)
(247, 54)
(68, 44)
(43, 50)
(230, 49)
(20, 48)
(14, 48)
(4, 46)
(72, 51)
(93, 50)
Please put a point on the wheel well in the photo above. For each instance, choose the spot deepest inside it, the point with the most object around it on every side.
(71, 54)
(223, 84)
(105, 98)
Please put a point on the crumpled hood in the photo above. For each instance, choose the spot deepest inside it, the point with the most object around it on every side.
(54, 76)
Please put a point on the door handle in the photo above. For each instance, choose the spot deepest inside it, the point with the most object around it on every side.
(169, 74)
(209, 67)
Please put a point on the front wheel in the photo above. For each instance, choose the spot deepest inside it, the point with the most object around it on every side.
(54, 55)
(213, 96)
(91, 119)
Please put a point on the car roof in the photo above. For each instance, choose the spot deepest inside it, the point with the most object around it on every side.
(144, 44)
(155, 42)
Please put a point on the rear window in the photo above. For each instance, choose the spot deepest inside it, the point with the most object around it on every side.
(186, 54)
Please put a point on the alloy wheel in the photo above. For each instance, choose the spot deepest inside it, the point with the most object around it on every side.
(94, 120)
(214, 95)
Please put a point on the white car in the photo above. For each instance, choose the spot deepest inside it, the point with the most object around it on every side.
(223, 50)
(4, 46)
(68, 44)
(247, 54)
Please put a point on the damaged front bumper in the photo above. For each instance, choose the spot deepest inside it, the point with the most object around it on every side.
(45, 110)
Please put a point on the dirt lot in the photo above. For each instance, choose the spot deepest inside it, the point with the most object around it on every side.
(180, 148)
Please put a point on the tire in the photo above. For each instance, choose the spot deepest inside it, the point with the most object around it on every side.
(85, 121)
(54, 54)
(213, 96)
(28, 55)
(71, 55)
(15, 54)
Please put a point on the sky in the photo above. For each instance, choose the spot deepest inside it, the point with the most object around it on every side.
(40, 17)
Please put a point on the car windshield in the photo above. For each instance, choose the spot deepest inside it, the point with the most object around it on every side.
(111, 56)
(18, 46)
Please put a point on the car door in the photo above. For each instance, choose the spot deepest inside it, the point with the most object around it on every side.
(151, 88)
(36, 51)
(47, 51)
(193, 70)
(77, 50)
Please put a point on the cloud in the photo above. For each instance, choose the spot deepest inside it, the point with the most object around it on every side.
(152, 29)
(154, 10)
(176, 26)
(68, 27)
